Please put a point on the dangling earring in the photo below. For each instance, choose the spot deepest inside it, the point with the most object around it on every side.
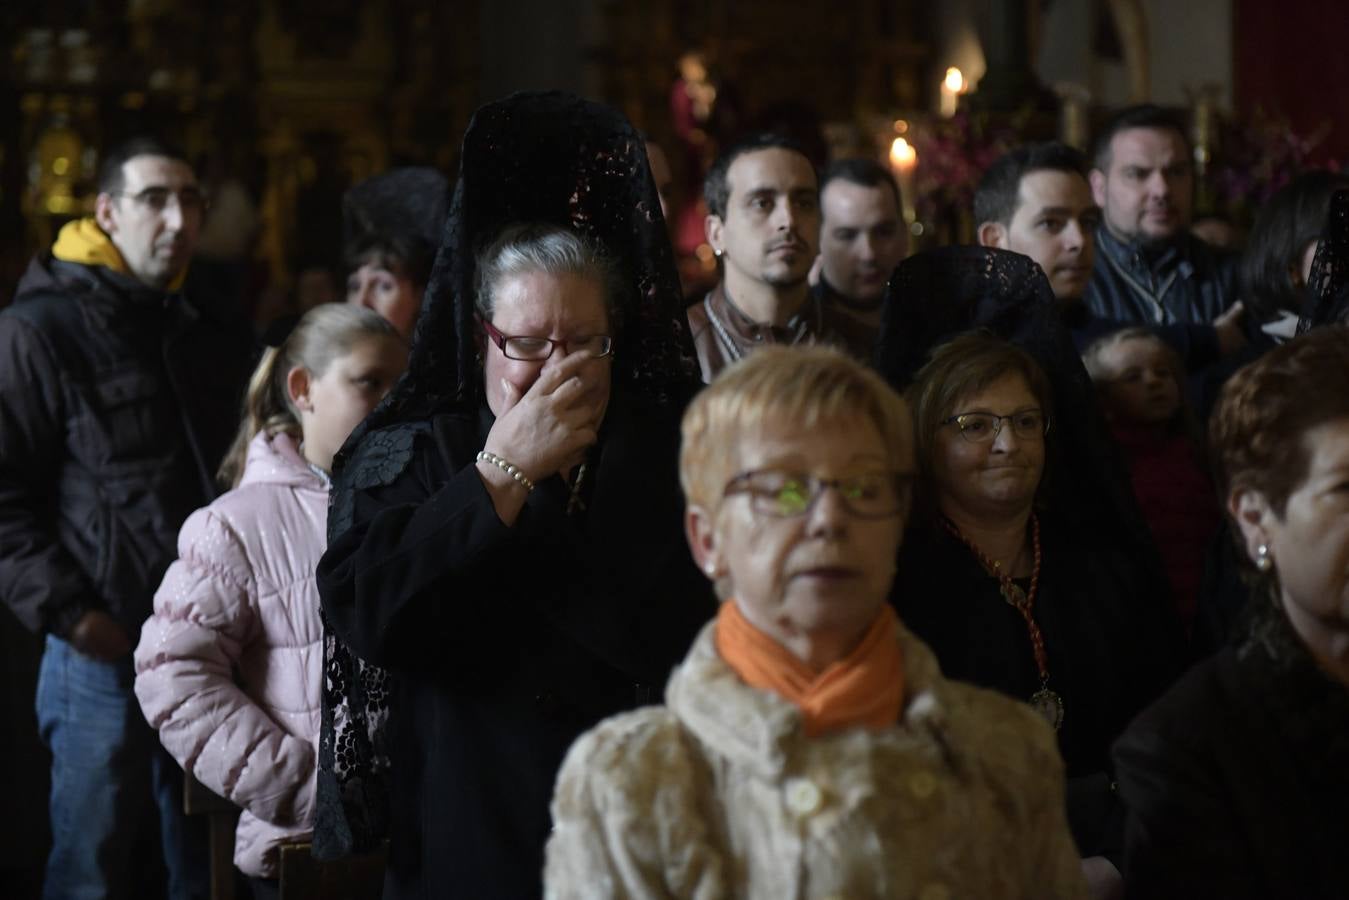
(717, 254)
(1263, 561)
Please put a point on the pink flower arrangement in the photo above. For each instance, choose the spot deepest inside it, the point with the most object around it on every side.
(952, 155)
(1256, 156)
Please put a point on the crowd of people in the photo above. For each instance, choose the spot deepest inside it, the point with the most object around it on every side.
(1006, 570)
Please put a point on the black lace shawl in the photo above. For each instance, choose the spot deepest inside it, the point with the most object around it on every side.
(935, 296)
(412, 200)
(533, 157)
(1327, 300)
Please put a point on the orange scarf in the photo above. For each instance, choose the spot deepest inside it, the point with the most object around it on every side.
(865, 689)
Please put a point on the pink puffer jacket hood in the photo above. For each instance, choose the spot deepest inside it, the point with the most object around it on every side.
(228, 667)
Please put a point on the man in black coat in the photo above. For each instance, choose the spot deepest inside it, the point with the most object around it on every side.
(118, 396)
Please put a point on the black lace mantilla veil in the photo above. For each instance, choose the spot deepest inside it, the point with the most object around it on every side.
(1327, 300)
(937, 295)
(533, 157)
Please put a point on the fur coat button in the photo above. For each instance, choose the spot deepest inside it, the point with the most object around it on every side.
(935, 891)
(803, 797)
(922, 784)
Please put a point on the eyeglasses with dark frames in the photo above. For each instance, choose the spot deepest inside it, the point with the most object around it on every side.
(981, 428)
(784, 495)
(537, 349)
(156, 199)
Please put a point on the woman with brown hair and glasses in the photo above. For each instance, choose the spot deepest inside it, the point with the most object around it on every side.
(1099, 611)
(811, 746)
(1005, 592)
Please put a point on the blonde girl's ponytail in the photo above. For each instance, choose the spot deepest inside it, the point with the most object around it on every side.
(325, 333)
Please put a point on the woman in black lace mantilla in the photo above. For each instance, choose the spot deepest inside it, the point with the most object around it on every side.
(1045, 586)
(507, 565)
(1327, 292)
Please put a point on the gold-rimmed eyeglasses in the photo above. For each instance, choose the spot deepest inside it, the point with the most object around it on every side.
(981, 427)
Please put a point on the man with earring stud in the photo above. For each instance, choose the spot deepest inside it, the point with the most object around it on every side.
(763, 224)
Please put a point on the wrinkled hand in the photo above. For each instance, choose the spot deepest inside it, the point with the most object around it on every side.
(555, 421)
(98, 635)
(1228, 326)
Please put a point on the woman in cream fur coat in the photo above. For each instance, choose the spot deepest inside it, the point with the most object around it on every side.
(810, 746)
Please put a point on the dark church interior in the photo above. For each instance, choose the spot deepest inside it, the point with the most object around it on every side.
(581, 448)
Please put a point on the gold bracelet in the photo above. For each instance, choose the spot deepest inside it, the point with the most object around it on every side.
(507, 467)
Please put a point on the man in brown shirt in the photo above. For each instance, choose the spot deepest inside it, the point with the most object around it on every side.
(763, 224)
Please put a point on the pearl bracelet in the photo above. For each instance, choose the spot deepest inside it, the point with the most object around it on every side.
(509, 468)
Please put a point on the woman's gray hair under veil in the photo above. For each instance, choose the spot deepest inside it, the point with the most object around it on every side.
(545, 157)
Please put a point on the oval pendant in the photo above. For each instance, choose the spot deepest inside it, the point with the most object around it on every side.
(1013, 594)
(1049, 705)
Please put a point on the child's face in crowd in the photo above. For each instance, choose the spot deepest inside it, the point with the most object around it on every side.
(335, 402)
(1141, 387)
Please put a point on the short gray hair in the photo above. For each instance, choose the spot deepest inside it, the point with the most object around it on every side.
(540, 247)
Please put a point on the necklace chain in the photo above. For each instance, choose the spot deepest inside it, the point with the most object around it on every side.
(1022, 601)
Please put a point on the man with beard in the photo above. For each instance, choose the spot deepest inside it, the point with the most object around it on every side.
(1149, 269)
(118, 397)
(763, 224)
(862, 239)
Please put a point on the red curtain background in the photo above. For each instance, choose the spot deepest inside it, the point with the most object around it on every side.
(1292, 59)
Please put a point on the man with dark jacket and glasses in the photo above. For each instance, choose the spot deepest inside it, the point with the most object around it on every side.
(118, 396)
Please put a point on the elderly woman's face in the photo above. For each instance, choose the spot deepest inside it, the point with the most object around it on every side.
(1310, 543)
(991, 474)
(824, 568)
(567, 308)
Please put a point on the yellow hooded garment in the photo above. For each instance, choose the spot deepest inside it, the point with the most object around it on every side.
(83, 242)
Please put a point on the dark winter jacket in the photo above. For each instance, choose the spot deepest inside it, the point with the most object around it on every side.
(1236, 782)
(116, 404)
(1179, 289)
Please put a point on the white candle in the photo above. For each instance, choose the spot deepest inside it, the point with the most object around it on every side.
(952, 86)
(903, 162)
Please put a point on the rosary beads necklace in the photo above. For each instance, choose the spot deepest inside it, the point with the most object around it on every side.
(1046, 702)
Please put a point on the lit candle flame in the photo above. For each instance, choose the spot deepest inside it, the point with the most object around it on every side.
(955, 82)
(902, 154)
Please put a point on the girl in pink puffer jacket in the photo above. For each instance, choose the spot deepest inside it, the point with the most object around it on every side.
(229, 664)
